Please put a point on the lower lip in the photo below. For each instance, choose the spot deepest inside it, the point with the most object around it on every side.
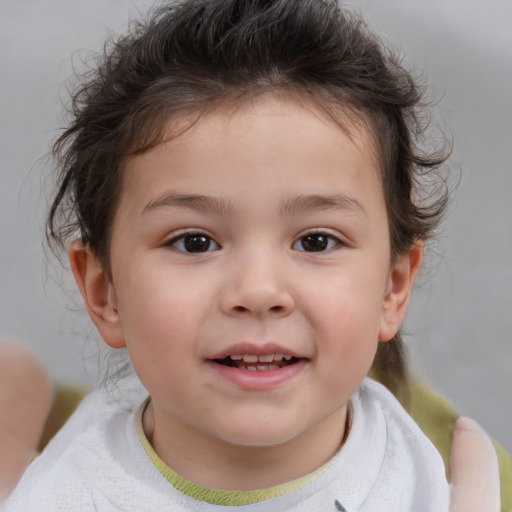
(258, 379)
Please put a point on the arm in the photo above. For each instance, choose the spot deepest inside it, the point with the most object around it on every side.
(474, 468)
(25, 397)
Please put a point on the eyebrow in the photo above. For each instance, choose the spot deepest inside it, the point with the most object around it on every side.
(215, 205)
(198, 202)
(304, 203)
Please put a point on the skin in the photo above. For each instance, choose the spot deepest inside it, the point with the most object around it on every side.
(25, 398)
(256, 291)
(273, 174)
(474, 468)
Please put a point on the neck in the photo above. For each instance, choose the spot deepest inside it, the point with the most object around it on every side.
(217, 464)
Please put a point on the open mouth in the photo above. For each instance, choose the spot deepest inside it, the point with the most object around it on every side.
(258, 362)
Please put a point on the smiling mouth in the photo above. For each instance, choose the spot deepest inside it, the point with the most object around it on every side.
(257, 362)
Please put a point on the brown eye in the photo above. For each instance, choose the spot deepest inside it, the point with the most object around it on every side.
(194, 243)
(316, 242)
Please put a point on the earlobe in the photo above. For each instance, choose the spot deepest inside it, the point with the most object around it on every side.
(397, 297)
(98, 294)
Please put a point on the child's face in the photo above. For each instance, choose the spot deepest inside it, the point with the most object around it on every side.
(257, 233)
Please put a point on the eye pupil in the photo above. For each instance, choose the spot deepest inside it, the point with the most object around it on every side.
(196, 243)
(314, 243)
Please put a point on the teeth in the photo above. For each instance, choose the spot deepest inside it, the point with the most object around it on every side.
(263, 362)
(268, 367)
(261, 367)
(252, 358)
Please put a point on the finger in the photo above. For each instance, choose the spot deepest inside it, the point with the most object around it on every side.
(474, 468)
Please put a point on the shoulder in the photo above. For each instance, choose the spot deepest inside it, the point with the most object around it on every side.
(96, 462)
(401, 428)
(371, 393)
(410, 459)
(78, 462)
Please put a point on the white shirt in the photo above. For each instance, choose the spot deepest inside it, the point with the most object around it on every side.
(97, 463)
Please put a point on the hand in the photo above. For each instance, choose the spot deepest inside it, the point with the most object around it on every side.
(25, 398)
(474, 468)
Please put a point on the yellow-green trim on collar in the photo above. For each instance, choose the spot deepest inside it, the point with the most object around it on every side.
(217, 496)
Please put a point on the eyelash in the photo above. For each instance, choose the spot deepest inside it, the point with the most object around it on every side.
(327, 241)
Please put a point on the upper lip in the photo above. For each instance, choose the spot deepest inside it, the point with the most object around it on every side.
(256, 350)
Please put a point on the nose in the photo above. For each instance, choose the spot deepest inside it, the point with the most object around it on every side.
(257, 288)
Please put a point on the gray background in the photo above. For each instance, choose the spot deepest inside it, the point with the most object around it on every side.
(461, 318)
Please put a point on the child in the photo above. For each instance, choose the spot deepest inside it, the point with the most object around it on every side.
(251, 206)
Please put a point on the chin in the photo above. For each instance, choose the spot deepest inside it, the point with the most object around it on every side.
(262, 437)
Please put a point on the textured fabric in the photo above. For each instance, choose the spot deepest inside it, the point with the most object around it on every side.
(433, 413)
(97, 463)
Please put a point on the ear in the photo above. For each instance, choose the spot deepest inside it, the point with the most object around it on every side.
(400, 284)
(98, 294)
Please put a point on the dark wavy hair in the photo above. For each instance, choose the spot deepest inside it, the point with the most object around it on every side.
(192, 55)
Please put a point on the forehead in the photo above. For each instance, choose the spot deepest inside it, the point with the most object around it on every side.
(293, 147)
(272, 125)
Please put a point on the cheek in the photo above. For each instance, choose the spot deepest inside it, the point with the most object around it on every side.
(345, 316)
(158, 317)
(348, 301)
(160, 338)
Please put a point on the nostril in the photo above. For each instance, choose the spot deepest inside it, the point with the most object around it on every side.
(243, 309)
(256, 301)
